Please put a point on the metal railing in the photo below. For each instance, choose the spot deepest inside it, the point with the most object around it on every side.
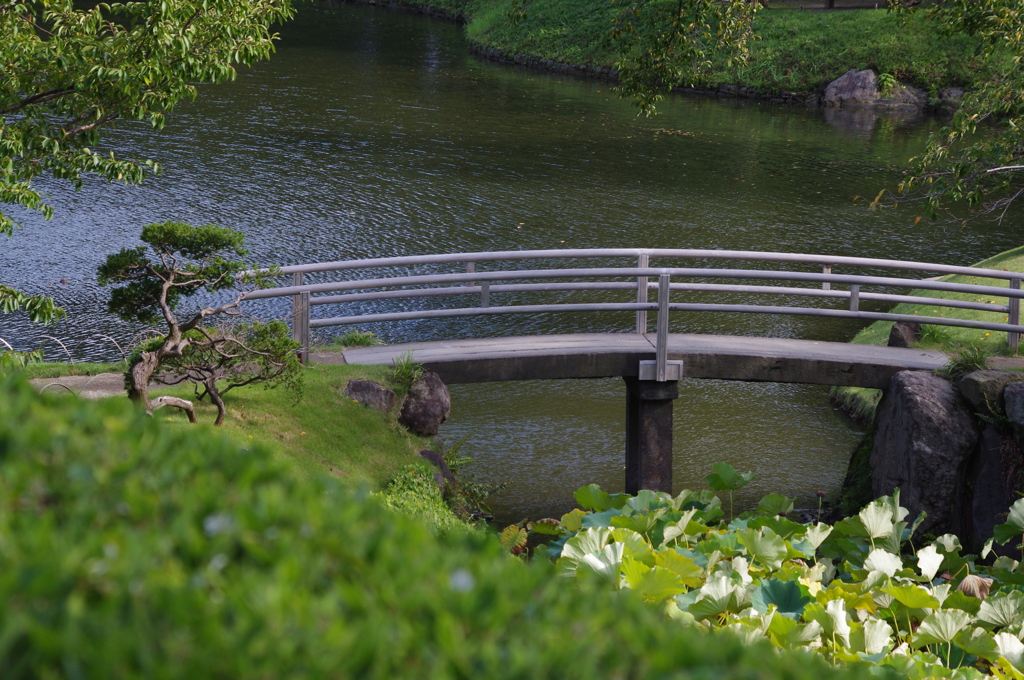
(641, 278)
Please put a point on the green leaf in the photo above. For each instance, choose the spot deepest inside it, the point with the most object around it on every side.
(775, 504)
(725, 478)
(717, 596)
(789, 597)
(606, 562)
(634, 545)
(593, 498)
(686, 567)
(977, 641)
(885, 562)
(1014, 525)
(873, 637)
(940, 627)
(789, 634)
(912, 596)
(1002, 609)
(653, 584)
(928, 561)
(1010, 648)
(764, 545)
(877, 519)
(817, 534)
(831, 618)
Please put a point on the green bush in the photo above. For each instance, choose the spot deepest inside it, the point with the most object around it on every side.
(134, 549)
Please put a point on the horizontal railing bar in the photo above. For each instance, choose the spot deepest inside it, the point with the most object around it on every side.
(473, 311)
(683, 307)
(512, 255)
(471, 290)
(634, 272)
(845, 313)
(685, 287)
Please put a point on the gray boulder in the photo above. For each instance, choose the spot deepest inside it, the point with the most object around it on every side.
(371, 394)
(988, 480)
(923, 438)
(903, 96)
(853, 88)
(904, 334)
(426, 406)
(983, 389)
(1013, 403)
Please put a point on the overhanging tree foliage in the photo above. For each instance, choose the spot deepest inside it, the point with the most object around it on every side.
(177, 262)
(66, 73)
(979, 156)
(664, 43)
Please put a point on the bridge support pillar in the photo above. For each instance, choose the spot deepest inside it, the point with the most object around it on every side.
(649, 434)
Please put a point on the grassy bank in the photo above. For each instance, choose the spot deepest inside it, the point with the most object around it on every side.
(797, 51)
(861, 402)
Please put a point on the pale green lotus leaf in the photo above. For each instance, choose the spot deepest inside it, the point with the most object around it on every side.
(635, 545)
(977, 641)
(586, 542)
(940, 627)
(1010, 648)
(764, 545)
(948, 543)
(912, 596)
(817, 534)
(749, 634)
(1014, 525)
(775, 504)
(928, 561)
(877, 519)
(653, 584)
(832, 619)
(606, 562)
(725, 478)
(717, 596)
(885, 562)
(1002, 609)
(674, 530)
(789, 634)
(685, 567)
(592, 497)
(871, 637)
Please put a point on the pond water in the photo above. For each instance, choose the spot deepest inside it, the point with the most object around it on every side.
(373, 133)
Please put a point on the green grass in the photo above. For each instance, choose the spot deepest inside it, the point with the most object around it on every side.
(57, 369)
(860, 402)
(797, 51)
(320, 431)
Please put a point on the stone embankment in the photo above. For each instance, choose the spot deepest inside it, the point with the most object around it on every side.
(953, 448)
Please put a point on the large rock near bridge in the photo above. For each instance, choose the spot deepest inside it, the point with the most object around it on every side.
(371, 394)
(426, 406)
(859, 89)
(984, 389)
(924, 438)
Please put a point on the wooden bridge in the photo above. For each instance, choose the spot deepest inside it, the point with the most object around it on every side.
(650, 363)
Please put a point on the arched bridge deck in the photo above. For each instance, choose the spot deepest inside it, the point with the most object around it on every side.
(397, 289)
(603, 355)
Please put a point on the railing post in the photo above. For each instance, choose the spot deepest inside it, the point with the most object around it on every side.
(855, 297)
(1013, 339)
(826, 285)
(485, 293)
(643, 261)
(304, 327)
(296, 308)
(470, 268)
(661, 350)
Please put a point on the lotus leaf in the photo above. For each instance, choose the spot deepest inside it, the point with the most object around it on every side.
(817, 534)
(717, 596)
(1010, 648)
(977, 641)
(885, 562)
(605, 562)
(599, 519)
(685, 567)
(653, 584)
(725, 478)
(1014, 525)
(789, 597)
(593, 498)
(877, 519)
(928, 561)
(1001, 610)
(764, 545)
(940, 627)
(775, 504)
(635, 546)
(912, 596)
(832, 618)
(788, 634)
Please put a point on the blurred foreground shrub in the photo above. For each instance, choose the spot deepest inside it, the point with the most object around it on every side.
(130, 549)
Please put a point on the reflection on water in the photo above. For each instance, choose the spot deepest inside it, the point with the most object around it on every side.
(374, 134)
